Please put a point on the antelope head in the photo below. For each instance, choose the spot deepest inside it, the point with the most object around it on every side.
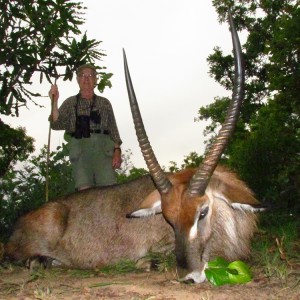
(185, 200)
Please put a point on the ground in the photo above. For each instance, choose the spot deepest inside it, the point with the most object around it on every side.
(17, 283)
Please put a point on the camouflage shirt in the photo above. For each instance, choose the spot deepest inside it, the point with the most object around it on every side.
(67, 115)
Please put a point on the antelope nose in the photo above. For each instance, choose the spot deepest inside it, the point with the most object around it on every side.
(188, 281)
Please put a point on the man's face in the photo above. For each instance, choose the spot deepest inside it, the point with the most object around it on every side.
(86, 79)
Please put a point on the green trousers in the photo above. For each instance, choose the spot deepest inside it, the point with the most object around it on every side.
(91, 160)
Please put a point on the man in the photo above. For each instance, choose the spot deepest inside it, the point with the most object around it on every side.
(91, 131)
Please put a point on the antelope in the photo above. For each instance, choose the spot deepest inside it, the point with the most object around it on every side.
(211, 211)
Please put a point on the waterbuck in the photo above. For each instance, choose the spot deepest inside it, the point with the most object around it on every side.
(211, 211)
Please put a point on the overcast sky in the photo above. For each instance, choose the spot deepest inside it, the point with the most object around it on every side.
(167, 43)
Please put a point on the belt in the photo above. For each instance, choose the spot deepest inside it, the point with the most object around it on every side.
(106, 132)
(99, 131)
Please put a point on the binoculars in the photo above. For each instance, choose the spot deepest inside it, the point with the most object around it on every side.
(82, 126)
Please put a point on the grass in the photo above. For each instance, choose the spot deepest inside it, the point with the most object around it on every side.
(277, 248)
(276, 256)
(122, 267)
(162, 262)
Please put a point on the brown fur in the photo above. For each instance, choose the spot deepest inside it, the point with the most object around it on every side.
(89, 229)
(225, 230)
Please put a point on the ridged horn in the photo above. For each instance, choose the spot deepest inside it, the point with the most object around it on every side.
(162, 182)
(201, 178)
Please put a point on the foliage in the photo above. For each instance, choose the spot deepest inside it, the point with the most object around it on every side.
(132, 174)
(271, 152)
(23, 189)
(220, 272)
(266, 145)
(128, 172)
(276, 248)
(189, 161)
(37, 37)
(15, 146)
(122, 267)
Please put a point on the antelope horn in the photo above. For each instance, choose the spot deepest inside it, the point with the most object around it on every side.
(162, 182)
(201, 178)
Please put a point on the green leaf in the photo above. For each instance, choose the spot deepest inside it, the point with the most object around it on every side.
(217, 276)
(220, 272)
(219, 262)
(243, 272)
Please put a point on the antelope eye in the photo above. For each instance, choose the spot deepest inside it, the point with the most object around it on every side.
(203, 213)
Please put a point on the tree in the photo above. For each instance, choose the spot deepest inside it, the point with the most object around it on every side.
(193, 160)
(37, 41)
(266, 144)
(15, 146)
(36, 38)
(128, 171)
(23, 189)
(271, 153)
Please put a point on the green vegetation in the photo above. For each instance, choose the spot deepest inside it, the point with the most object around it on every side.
(23, 189)
(44, 36)
(266, 145)
(124, 266)
(220, 272)
(276, 248)
(264, 150)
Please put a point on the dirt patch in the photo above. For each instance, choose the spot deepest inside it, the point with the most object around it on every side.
(16, 283)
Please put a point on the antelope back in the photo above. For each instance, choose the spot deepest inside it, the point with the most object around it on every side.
(89, 229)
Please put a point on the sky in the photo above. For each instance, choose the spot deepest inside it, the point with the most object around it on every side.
(167, 43)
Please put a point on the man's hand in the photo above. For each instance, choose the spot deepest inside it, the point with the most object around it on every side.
(117, 158)
(53, 93)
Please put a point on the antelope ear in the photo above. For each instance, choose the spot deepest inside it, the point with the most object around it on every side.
(249, 207)
(150, 206)
(225, 186)
(243, 201)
